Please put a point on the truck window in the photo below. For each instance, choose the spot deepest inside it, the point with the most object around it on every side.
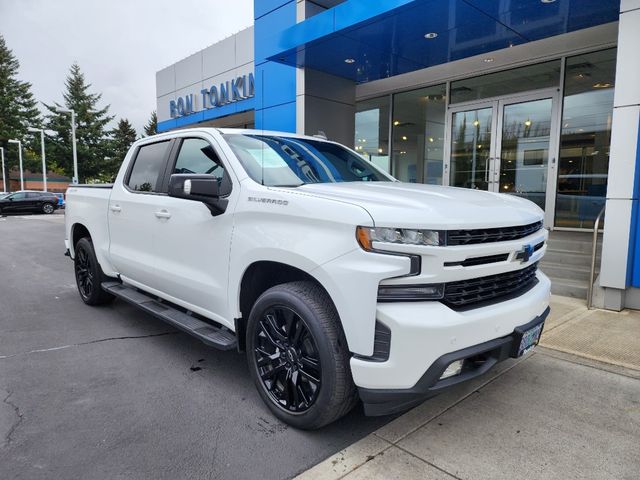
(198, 156)
(147, 166)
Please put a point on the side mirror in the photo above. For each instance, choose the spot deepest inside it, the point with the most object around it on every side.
(200, 188)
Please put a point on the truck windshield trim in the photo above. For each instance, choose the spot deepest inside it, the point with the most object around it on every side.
(291, 161)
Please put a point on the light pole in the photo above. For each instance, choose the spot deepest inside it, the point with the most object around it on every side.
(44, 162)
(20, 157)
(4, 181)
(73, 141)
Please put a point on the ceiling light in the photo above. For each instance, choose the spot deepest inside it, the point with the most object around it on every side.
(431, 139)
(379, 150)
(396, 123)
(430, 35)
(602, 85)
(404, 137)
(488, 60)
(349, 60)
(527, 123)
(547, 1)
(476, 123)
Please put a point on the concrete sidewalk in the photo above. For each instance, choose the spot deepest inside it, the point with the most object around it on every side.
(571, 409)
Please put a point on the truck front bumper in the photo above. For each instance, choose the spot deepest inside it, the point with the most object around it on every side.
(426, 337)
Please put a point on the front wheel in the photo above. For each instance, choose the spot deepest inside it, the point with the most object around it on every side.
(47, 208)
(89, 275)
(298, 355)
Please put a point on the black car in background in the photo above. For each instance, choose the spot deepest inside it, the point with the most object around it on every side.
(28, 201)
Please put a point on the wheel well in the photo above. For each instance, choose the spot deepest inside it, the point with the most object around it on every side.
(79, 231)
(257, 279)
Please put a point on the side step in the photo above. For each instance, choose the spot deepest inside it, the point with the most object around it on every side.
(209, 334)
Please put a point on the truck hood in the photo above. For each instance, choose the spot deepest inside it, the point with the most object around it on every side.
(410, 205)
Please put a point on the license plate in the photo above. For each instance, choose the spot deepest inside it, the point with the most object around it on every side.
(530, 339)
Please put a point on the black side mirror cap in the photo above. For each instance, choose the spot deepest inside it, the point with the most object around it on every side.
(200, 188)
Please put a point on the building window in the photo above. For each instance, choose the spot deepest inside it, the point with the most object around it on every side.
(418, 135)
(585, 138)
(372, 131)
(522, 79)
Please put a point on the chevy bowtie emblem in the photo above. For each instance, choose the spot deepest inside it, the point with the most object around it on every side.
(525, 254)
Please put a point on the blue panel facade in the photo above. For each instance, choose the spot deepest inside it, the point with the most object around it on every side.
(633, 260)
(386, 38)
(275, 96)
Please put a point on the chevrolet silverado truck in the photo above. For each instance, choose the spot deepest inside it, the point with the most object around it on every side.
(338, 281)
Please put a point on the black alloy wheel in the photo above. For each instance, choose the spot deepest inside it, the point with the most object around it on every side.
(84, 273)
(89, 275)
(298, 355)
(288, 359)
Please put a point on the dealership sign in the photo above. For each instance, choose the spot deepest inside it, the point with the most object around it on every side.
(239, 88)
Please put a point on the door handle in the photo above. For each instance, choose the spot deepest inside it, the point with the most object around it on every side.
(115, 208)
(163, 214)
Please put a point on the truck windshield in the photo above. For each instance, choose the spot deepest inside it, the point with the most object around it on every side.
(290, 161)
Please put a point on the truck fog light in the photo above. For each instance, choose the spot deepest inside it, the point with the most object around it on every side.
(408, 293)
(452, 370)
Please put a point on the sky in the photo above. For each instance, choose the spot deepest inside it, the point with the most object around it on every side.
(119, 44)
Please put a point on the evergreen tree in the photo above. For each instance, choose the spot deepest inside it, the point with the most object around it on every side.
(92, 141)
(151, 128)
(18, 108)
(121, 139)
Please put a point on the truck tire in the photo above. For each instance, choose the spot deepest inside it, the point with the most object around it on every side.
(48, 208)
(89, 275)
(298, 355)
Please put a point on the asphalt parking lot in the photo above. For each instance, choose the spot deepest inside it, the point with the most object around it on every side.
(111, 392)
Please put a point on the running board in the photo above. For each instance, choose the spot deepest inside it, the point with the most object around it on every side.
(209, 334)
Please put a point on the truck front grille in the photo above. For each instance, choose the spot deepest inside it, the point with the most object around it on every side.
(465, 294)
(488, 235)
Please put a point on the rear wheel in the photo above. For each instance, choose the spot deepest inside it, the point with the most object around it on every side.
(298, 356)
(89, 275)
(48, 208)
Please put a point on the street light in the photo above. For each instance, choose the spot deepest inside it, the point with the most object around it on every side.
(20, 157)
(4, 181)
(44, 162)
(73, 141)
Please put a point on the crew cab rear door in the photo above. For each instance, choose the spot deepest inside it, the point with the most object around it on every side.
(135, 198)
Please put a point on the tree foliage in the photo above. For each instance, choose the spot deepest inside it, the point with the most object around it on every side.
(91, 137)
(18, 108)
(121, 139)
(151, 128)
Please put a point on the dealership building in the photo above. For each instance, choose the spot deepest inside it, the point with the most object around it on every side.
(537, 98)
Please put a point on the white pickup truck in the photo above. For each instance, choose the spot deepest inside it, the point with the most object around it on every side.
(339, 282)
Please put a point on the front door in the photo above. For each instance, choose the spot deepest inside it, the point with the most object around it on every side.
(506, 145)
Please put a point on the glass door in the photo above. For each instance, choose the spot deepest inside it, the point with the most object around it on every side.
(472, 137)
(507, 145)
(524, 147)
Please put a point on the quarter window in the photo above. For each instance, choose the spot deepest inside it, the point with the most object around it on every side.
(148, 165)
(197, 156)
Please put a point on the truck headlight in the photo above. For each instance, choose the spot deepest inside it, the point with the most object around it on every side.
(402, 236)
(410, 293)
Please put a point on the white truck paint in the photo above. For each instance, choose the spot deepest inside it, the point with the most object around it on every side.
(175, 249)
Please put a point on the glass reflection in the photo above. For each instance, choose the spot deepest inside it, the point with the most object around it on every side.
(418, 135)
(372, 131)
(471, 148)
(586, 136)
(524, 156)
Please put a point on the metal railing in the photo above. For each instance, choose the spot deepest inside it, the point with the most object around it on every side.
(594, 249)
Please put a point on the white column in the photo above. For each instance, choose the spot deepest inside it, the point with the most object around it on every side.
(622, 161)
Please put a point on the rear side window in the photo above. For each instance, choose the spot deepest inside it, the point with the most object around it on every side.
(147, 167)
(34, 195)
(198, 156)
